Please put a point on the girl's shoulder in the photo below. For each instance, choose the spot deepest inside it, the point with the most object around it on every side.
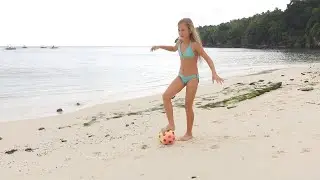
(195, 45)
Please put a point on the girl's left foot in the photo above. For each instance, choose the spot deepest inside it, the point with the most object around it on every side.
(186, 137)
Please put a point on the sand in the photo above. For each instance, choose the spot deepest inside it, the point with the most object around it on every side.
(272, 136)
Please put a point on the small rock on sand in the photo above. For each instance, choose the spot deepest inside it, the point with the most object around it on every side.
(42, 128)
(144, 146)
(28, 149)
(306, 89)
(231, 106)
(11, 151)
(59, 110)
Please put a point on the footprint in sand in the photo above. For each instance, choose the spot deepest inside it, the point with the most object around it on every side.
(216, 146)
(316, 136)
(138, 157)
(216, 122)
(213, 147)
(67, 159)
(96, 153)
(305, 150)
(276, 154)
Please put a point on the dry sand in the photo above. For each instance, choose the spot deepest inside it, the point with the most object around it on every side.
(272, 136)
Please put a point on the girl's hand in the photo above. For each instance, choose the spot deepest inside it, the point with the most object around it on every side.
(217, 78)
(154, 48)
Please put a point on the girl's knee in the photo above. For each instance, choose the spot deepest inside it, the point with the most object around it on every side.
(166, 96)
(188, 107)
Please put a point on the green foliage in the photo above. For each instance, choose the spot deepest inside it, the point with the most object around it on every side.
(296, 27)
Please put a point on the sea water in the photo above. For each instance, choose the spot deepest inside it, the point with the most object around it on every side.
(35, 82)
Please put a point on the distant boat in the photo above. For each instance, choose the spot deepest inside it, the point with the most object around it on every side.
(10, 48)
(54, 47)
(43, 47)
(24, 46)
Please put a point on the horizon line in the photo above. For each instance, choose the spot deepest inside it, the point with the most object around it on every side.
(76, 46)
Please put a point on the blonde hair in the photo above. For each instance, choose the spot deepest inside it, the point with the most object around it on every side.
(194, 35)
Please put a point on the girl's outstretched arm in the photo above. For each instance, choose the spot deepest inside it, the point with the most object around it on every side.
(202, 53)
(168, 48)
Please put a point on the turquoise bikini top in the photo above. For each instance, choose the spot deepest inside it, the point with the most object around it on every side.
(188, 52)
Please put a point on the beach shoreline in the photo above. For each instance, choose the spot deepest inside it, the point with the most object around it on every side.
(67, 76)
(83, 106)
(253, 125)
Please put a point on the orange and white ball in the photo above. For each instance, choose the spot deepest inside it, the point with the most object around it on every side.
(167, 138)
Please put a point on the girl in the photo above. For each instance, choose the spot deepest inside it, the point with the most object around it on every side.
(190, 49)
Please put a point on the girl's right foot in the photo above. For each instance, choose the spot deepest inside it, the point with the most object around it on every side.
(167, 128)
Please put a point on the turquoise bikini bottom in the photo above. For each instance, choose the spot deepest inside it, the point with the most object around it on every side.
(186, 79)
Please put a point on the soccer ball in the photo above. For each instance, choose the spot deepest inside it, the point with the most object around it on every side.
(167, 138)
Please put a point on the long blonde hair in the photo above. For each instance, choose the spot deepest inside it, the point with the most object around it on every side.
(194, 35)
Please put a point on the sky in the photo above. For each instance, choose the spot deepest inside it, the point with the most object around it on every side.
(114, 22)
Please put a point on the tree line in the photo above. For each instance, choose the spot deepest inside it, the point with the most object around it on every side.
(298, 26)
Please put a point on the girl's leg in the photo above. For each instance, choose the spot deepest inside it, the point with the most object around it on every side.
(175, 87)
(192, 87)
